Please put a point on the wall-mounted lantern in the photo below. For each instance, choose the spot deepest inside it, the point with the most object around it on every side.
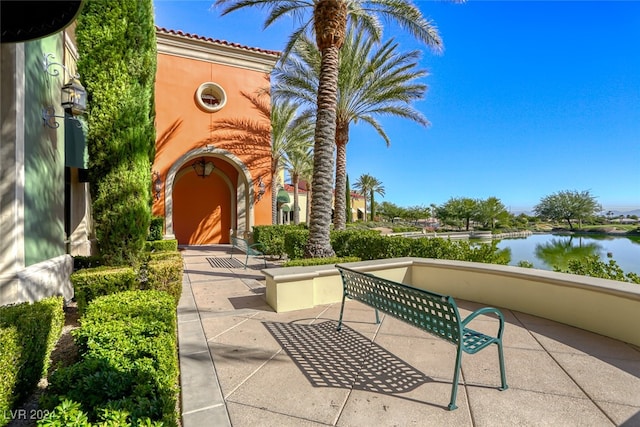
(73, 96)
(203, 168)
(157, 184)
(261, 188)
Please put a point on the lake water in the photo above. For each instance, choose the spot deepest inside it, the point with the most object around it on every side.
(546, 250)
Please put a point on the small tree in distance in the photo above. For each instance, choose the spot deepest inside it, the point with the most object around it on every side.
(568, 205)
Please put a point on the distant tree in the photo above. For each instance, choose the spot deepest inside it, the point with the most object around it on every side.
(289, 134)
(568, 205)
(367, 185)
(490, 211)
(457, 211)
(391, 211)
(418, 212)
(298, 161)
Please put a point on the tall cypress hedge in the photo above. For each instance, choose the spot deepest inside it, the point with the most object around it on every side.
(117, 63)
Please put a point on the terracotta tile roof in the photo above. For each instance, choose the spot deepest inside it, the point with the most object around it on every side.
(217, 41)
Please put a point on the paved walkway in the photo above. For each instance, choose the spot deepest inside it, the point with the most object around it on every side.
(242, 364)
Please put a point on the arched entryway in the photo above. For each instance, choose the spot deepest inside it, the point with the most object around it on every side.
(202, 207)
(203, 210)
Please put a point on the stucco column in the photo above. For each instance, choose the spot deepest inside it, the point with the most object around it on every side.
(12, 111)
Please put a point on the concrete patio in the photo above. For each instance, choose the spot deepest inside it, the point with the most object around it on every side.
(242, 364)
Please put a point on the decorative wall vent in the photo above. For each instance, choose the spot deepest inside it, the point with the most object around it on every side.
(211, 97)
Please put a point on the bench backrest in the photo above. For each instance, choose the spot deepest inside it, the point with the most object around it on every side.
(239, 243)
(434, 313)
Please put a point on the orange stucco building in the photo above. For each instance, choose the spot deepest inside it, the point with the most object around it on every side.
(212, 168)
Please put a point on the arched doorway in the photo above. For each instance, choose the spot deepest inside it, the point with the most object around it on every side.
(200, 211)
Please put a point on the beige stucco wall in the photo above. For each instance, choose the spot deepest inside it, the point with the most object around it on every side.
(603, 306)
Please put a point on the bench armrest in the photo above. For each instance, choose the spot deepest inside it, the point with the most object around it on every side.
(485, 310)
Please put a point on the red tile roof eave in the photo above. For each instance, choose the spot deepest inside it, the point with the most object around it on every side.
(221, 42)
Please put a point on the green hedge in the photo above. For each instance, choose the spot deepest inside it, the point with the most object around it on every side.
(271, 237)
(161, 245)
(91, 283)
(129, 365)
(10, 355)
(28, 335)
(368, 244)
(164, 273)
(155, 228)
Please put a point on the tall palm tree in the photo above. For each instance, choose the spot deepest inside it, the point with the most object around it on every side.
(327, 19)
(373, 80)
(367, 185)
(299, 163)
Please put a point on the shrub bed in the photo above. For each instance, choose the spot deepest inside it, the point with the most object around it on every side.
(28, 335)
(129, 366)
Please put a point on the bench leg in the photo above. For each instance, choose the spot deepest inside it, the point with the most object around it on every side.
(341, 312)
(456, 376)
(246, 261)
(503, 375)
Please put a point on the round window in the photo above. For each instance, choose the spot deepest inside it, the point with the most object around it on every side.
(211, 97)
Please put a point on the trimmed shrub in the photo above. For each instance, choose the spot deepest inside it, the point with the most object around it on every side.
(129, 365)
(271, 237)
(164, 273)
(38, 327)
(155, 228)
(161, 245)
(294, 242)
(10, 355)
(91, 283)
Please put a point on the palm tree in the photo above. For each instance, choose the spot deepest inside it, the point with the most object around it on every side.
(373, 81)
(299, 163)
(328, 21)
(288, 135)
(367, 185)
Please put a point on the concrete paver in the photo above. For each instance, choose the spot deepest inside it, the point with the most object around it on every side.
(242, 364)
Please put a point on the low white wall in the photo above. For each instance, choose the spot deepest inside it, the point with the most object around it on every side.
(603, 306)
(38, 281)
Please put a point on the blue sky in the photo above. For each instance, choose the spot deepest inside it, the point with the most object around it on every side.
(529, 98)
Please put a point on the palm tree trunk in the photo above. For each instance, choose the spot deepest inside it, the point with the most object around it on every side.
(274, 192)
(319, 244)
(296, 210)
(330, 22)
(342, 137)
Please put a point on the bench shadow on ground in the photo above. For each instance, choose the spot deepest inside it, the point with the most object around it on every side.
(346, 359)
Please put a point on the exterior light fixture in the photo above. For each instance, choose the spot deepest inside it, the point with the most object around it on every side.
(261, 188)
(73, 95)
(203, 168)
(157, 184)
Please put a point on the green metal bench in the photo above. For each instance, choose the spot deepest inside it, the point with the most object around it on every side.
(248, 249)
(432, 312)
